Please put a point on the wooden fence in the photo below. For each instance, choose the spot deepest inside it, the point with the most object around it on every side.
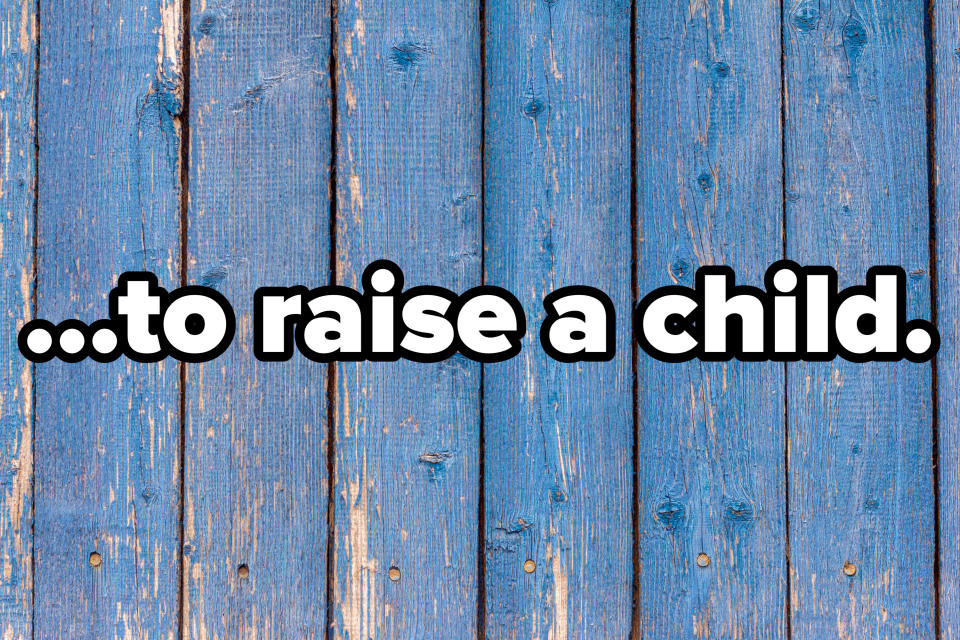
(529, 144)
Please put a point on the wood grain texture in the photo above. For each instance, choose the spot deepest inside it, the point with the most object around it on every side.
(18, 49)
(860, 475)
(256, 433)
(946, 40)
(711, 435)
(407, 434)
(558, 437)
(107, 436)
(778, 474)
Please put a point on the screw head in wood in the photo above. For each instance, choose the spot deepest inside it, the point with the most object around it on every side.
(529, 566)
(849, 569)
(95, 560)
(703, 561)
(243, 571)
(394, 574)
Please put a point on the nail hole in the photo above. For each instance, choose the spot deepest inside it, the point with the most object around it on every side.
(529, 566)
(703, 561)
(394, 574)
(849, 569)
(243, 571)
(95, 560)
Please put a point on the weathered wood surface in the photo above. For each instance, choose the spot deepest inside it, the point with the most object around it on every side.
(710, 435)
(860, 473)
(452, 473)
(107, 436)
(407, 435)
(18, 50)
(558, 441)
(946, 182)
(255, 510)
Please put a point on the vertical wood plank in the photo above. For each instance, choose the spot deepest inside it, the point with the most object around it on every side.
(558, 437)
(946, 39)
(18, 48)
(107, 436)
(711, 435)
(860, 473)
(407, 434)
(255, 512)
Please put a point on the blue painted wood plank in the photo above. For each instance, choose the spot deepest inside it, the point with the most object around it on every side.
(18, 49)
(407, 434)
(558, 460)
(107, 436)
(255, 470)
(710, 435)
(860, 475)
(946, 39)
